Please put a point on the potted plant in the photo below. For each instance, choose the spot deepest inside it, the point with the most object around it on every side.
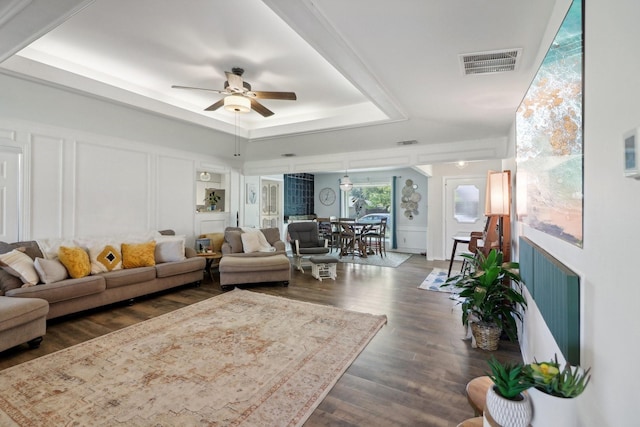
(508, 403)
(212, 199)
(490, 297)
(554, 391)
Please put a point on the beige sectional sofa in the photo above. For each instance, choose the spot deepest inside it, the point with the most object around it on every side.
(73, 295)
(241, 264)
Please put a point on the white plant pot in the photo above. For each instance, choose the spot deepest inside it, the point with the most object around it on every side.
(552, 410)
(512, 413)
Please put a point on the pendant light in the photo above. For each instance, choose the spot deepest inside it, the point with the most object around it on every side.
(345, 182)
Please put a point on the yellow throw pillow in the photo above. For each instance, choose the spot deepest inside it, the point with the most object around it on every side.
(75, 260)
(138, 254)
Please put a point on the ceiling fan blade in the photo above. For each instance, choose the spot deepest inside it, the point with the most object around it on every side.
(288, 96)
(200, 88)
(235, 81)
(260, 109)
(215, 106)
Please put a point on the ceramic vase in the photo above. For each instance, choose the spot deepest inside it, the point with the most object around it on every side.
(551, 410)
(505, 412)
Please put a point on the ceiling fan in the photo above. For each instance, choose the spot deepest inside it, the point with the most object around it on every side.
(239, 96)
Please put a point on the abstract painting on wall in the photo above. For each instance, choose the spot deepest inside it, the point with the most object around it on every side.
(549, 126)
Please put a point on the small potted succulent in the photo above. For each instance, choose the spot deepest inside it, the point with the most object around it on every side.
(548, 378)
(554, 391)
(508, 403)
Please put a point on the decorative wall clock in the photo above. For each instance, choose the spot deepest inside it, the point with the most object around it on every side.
(327, 196)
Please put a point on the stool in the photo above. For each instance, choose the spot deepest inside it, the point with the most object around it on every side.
(323, 267)
(477, 393)
(22, 320)
(472, 422)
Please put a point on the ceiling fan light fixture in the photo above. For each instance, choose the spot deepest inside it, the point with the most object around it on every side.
(237, 104)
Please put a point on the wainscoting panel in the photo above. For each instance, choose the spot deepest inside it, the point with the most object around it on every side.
(411, 239)
(113, 190)
(47, 175)
(556, 291)
(176, 198)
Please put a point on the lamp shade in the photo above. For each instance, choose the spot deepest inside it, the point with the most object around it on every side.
(498, 198)
(345, 183)
(237, 103)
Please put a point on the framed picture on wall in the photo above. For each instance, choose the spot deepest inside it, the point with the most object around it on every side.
(252, 194)
(631, 154)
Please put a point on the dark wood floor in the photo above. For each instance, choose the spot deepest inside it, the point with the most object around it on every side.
(413, 373)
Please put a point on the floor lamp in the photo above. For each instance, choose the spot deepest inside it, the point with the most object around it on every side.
(498, 209)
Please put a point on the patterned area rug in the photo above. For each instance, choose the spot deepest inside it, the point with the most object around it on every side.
(393, 259)
(435, 279)
(241, 359)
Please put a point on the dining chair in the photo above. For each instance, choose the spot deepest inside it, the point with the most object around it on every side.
(347, 238)
(325, 231)
(375, 238)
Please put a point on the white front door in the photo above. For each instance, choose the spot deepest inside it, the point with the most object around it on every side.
(9, 195)
(464, 209)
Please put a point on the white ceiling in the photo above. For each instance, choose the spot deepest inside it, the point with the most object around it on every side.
(351, 63)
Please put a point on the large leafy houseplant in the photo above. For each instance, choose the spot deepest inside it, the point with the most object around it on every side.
(490, 292)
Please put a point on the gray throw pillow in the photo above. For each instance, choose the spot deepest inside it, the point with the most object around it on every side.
(8, 282)
(233, 238)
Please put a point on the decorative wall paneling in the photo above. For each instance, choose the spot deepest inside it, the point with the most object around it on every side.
(77, 183)
(556, 291)
(411, 239)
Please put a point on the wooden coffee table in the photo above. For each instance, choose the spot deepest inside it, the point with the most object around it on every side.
(213, 259)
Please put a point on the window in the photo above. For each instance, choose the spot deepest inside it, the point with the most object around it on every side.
(466, 203)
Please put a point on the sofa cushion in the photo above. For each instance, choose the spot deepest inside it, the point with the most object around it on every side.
(19, 264)
(130, 276)
(105, 257)
(139, 254)
(19, 311)
(253, 264)
(234, 239)
(188, 265)
(62, 291)
(76, 261)
(50, 270)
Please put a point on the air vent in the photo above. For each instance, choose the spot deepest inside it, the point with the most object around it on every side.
(288, 155)
(409, 142)
(497, 61)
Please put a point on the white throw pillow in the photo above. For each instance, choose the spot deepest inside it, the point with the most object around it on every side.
(50, 270)
(250, 242)
(169, 248)
(20, 265)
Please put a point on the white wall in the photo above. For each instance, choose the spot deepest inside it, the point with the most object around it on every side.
(610, 288)
(81, 177)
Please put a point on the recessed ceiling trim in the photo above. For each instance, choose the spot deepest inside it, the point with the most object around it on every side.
(312, 25)
(491, 62)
